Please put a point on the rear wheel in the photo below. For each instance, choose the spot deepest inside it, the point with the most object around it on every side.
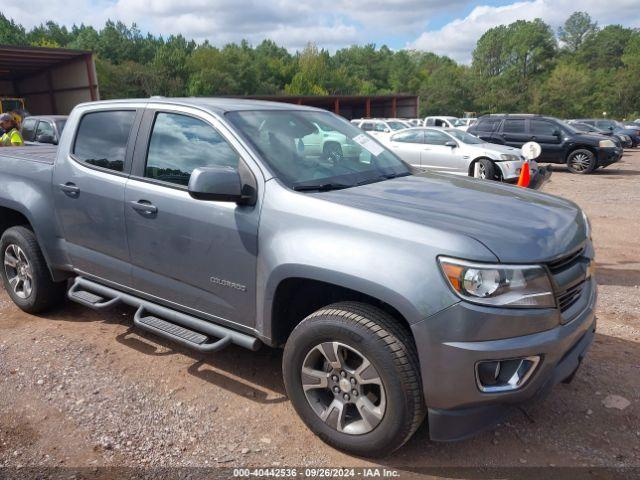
(581, 161)
(351, 372)
(25, 274)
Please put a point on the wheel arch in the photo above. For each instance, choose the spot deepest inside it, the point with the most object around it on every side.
(296, 297)
(483, 157)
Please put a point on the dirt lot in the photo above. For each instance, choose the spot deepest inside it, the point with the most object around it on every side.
(81, 389)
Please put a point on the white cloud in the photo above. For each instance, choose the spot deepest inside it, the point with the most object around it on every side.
(292, 23)
(458, 38)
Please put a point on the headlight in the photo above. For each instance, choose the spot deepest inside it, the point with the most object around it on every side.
(499, 285)
(506, 156)
(587, 224)
(607, 144)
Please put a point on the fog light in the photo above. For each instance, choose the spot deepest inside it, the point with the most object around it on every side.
(505, 375)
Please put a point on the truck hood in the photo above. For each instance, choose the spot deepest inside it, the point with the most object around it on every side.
(516, 224)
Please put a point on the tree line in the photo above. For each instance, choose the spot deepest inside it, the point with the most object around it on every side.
(579, 70)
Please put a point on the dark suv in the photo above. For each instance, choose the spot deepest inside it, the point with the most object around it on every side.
(560, 142)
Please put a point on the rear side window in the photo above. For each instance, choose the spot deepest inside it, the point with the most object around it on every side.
(433, 137)
(411, 136)
(513, 125)
(487, 124)
(179, 144)
(102, 138)
(28, 129)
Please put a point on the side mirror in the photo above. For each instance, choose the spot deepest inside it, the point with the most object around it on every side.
(451, 144)
(220, 184)
(44, 138)
(386, 130)
(557, 133)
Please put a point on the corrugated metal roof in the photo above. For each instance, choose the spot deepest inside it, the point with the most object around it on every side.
(19, 62)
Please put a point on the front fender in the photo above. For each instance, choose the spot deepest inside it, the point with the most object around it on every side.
(387, 259)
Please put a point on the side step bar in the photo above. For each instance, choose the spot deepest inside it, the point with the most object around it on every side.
(184, 329)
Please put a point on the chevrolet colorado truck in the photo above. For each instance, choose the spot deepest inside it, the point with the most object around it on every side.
(397, 294)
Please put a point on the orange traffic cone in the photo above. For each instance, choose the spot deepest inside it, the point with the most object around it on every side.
(525, 175)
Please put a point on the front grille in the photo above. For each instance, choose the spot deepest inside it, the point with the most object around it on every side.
(570, 280)
(570, 296)
(560, 264)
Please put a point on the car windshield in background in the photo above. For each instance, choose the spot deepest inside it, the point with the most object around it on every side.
(396, 125)
(571, 128)
(303, 158)
(457, 122)
(60, 125)
(464, 137)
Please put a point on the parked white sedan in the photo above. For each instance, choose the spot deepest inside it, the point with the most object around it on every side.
(453, 151)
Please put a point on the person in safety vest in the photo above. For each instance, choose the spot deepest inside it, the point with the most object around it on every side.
(11, 137)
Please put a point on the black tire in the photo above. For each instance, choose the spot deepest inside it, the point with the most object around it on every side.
(43, 293)
(388, 346)
(333, 152)
(581, 161)
(486, 169)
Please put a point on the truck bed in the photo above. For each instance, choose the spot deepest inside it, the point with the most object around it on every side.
(41, 154)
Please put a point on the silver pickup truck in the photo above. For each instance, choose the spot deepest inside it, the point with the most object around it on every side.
(393, 299)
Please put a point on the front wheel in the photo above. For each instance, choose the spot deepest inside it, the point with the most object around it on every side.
(581, 161)
(484, 169)
(351, 372)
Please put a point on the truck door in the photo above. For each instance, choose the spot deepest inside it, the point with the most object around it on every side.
(88, 186)
(194, 254)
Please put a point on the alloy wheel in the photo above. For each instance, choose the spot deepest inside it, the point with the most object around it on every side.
(580, 162)
(18, 271)
(343, 388)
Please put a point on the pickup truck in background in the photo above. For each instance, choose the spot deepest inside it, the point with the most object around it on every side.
(393, 300)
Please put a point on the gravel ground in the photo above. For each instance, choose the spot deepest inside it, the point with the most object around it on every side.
(81, 389)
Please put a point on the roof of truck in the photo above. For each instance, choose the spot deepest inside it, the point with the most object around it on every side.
(217, 104)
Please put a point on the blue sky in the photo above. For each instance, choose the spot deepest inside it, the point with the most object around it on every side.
(449, 27)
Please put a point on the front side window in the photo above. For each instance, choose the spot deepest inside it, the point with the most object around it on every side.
(513, 125)
(380, 127)
(433, 137)
(410, 136)
(102, 138)
(542, 127)
(277, 136)
(44, 128)
(28, 129)
(179, 144)
(367, 126)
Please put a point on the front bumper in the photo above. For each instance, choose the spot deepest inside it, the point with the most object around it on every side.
(607, 156)
(451, 342)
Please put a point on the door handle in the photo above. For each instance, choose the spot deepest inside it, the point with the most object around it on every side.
(70, 189)
(144, 207)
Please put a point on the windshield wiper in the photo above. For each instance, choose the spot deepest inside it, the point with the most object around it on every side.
(382, 177)
(321, 187)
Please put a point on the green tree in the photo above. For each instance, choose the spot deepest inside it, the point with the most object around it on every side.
(576, 29)
(11, 33)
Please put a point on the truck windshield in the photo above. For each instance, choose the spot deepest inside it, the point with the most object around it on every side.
(315, 150)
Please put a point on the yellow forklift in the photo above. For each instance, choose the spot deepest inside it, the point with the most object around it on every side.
(9, 104)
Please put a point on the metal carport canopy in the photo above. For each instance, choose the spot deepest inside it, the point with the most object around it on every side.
(51, 80)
